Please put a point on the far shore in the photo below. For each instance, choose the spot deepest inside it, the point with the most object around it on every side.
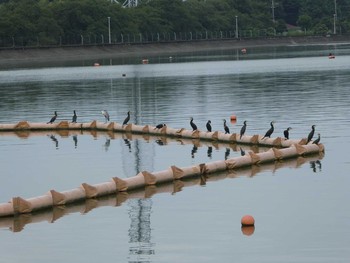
(13, 56)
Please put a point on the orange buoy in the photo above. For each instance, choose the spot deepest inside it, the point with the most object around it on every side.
(96, 64)
(145, 61)
(233, 118)
(247, 220)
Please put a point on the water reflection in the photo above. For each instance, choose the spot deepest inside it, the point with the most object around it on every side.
(316, 166)
(107, 144)
(75, 140)
(210, 151)
(53, 138)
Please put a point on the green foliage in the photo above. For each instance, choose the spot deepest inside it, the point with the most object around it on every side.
(50, 21)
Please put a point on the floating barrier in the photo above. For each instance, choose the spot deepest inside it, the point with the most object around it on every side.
(278, 142)
(53, 213)
(53, 198)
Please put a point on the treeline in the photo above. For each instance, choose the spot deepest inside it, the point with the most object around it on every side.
(69, 21)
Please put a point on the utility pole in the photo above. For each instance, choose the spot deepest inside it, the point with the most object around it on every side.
(236, 33)
(273, 10)
(335, 18)
(109, 30)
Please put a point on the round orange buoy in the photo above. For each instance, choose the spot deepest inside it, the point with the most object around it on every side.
(247, 220)
(233, 118)
(248, 230)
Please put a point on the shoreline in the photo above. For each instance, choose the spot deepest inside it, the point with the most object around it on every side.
(11, 57)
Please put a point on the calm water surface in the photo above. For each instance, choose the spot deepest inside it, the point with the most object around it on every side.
(299, 205)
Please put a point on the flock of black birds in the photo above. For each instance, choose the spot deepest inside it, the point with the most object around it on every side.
(267, 134)
(208, 126)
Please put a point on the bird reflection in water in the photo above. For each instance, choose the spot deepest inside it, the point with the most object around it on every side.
(127, 143)
(161, 142)
(242, 151)
(107, 144)
(53, 138)
(209, 151)
(316, 166)
(75, 140)
(227, 153)
(194, 150)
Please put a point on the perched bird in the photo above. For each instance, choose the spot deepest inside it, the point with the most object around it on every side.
(270, 131)
(209, 126)
(53, 118)
(105, 114)
(74, 118)
(227, 130)
(311, 134)
(244, 127)
(317, 141)
(159, 126)
(194, 126)
(286, 133)
(127, 119)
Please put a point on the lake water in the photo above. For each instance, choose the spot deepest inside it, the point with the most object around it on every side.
(299, 205)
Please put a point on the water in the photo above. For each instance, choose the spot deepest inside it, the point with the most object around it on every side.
(299, 205)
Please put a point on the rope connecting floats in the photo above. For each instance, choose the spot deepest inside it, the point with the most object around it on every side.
(54, 198)
(148, 129)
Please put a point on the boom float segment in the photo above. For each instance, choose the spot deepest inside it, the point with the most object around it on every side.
(53, 198)
(151, 130)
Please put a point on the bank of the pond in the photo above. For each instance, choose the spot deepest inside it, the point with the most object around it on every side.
(13, 56)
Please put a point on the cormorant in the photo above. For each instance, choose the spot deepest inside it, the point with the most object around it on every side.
(105, 114)
(270, 131)
(244, 127)
(317, 141)
(53, 118)
(127, 119)
(161, 125)
(194, 126)
(311, 134)
(209, 126)
(286, 133)
(227, 130)
(74, 118)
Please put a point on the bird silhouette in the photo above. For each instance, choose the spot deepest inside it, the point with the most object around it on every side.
(270, 131)
(317, 141)
(311, 134)
(53, 118)
(127, 119)
(286, 133)
(244, 127)
(209, 126)
(74, 118)
(194, 126)
(227, 130)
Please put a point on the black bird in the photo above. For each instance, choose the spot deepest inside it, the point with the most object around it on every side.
(127, 119)
(53, 118)
(161, 125)
(105, 114)
(74, 118)
(270, 131)
(311, 134)
(227, 130)
(286, 133)
(209, 126)
(244, 127)
(194, 126)
(317, 141)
